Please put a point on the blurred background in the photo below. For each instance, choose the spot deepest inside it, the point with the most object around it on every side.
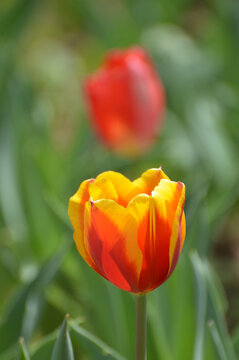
(47, 148)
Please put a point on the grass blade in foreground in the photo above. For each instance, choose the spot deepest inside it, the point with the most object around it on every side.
(201, 296)
(236, 340)
(218, 305)
(25, 310)
(63, 347)
(217, 341)
(43, 349)
(91, 345)
(23, 350)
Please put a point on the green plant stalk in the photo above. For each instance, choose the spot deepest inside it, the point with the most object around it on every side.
(141, 327)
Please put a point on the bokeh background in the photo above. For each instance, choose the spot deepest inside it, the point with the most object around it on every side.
(47, 148)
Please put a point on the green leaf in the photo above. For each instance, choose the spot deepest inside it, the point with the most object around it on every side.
(58, 208)
(43, 349)
(93, 346)
(182, 319)
(113, 309)
(35, 302)
(218, 304)
(23, 350)
(8, 333)
(63, 347)
(201, 308)
(236, 340)
(217, 341)
(158, 338)
(14, 21)
(26, 308)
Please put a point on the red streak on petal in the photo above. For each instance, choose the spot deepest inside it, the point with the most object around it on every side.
(177, 247)
(155, 249)
(107, 248)
(85, 194)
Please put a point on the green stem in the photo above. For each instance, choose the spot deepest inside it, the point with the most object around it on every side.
(141, 327)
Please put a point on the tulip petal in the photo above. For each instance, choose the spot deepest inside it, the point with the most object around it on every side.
(149, 180)
(183, 230)
(108, 94)
(102, 188)
(178, 232)
(125, 189)
(95, 193)
(154, 233)
(76, 215)
(111, 239)
(107, 187)
(170, 191)
(174, 195)
(126, 100)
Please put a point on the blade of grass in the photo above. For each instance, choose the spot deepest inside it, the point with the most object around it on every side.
(35, 302)
(201, 298)
(58, 208)
(24, 312)
(63, 347)
(236, 340)
(43, 349)
(97, 349)
(218, 306)
(23, 350)
(156, 327)
(217, 341)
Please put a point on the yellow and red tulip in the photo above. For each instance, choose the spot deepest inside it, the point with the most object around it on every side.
(131, 233)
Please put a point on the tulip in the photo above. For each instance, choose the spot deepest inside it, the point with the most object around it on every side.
(126, 101)
(131, 233)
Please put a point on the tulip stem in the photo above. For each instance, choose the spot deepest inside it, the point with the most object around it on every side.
(141, 327)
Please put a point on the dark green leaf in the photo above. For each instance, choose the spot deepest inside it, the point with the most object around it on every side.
(43, 349)
(236, 340)
(26, 308)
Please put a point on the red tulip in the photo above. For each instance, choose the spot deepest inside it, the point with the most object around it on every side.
(126, 100)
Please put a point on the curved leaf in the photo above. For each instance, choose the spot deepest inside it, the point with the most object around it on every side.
(201, 308)
(63, 347)
(92, 345)
(217, 341)
(23, 350)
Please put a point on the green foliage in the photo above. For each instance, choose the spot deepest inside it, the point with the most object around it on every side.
(47, 148)
(63, 346)
(23, 350)
(92, 346)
